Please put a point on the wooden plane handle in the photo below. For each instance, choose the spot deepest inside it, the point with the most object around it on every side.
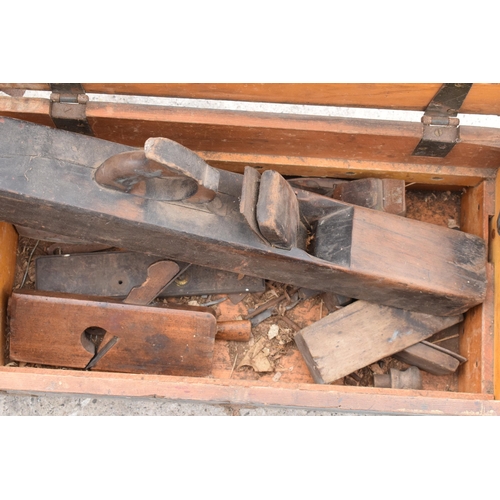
(164, 170)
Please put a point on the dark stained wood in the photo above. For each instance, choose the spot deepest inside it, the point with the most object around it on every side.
(386, 195)
(113, 274)
(277, 211)
(48, 329)
(387, 264)
(428, 359)
(333, 237)
(159, 275)
(361, 334)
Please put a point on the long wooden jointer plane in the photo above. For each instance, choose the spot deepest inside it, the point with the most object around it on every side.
(165, 200)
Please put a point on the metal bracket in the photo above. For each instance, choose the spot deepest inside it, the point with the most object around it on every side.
(68, 103)
(441, 126)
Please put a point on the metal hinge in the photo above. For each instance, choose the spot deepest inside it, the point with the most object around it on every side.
(68, 103)
(441, 127)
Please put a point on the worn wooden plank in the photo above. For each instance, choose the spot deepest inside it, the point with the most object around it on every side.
(34, 193)
(49, 329)
(361, 334)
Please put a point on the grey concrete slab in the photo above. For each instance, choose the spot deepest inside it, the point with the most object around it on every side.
(50, 405)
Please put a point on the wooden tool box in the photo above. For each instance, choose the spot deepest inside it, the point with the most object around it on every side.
(464, 159)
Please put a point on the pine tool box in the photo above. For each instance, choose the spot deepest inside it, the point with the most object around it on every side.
(252, 257)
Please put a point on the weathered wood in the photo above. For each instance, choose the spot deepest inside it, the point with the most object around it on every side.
(49, 329)
(386, 195)
(113, 274)
(277, 211)
(37, 234)
(159, 275)
(428, 359)
(49, 185)
(361, 334)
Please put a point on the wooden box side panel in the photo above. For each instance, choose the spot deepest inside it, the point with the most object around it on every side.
(8, 249)
(483, 98)
(247, 393)
(495, 257)
(476, 341)
(292, 145)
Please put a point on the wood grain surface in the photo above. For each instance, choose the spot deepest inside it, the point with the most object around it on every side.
(48, 329)
(397, 262)
(361, 334)
(483, 97)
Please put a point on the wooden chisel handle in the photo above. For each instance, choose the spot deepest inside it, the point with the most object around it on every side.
(239, 330)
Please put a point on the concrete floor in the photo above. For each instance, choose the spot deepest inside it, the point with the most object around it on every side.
(49, 405)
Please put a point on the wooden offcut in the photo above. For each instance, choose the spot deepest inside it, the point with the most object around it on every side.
(361, 334)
